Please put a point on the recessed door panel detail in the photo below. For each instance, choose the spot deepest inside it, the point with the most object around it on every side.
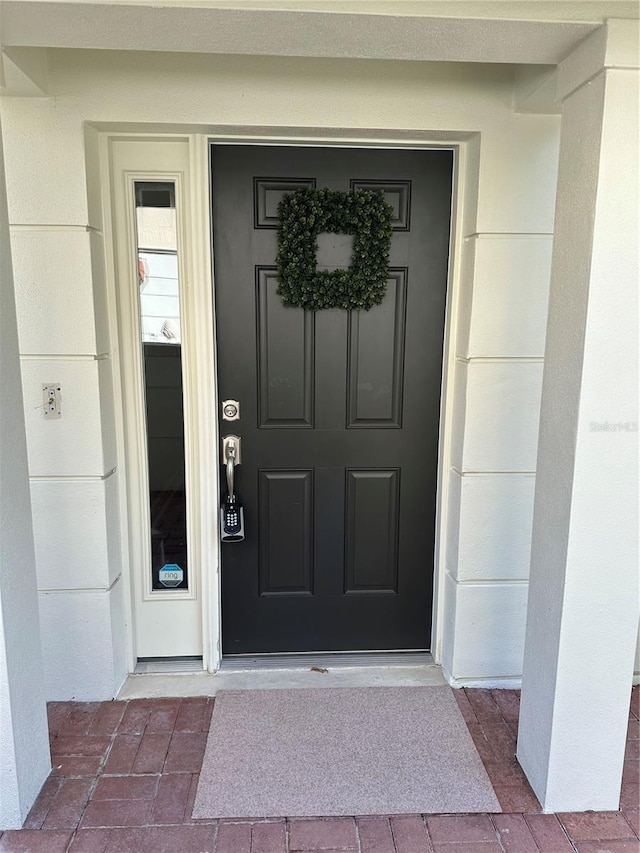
(376, 360)
(397, 194)
(286, 532)
(267, 193)
(285, 358)
(372, 508)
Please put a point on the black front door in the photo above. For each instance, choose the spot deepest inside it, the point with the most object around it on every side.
(339, 410)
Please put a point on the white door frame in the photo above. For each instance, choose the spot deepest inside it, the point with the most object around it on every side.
(199, 352)
(173, 619)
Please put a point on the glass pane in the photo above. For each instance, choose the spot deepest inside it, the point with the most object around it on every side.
(159, 287)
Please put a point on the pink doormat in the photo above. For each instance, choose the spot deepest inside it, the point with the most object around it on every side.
(340, 751)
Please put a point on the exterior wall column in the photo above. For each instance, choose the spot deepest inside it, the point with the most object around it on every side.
(24, 739)
(583, 604)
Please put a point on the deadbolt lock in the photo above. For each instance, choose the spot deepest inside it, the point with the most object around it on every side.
(231, 410)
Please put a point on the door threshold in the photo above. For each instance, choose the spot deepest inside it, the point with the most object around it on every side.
(145, 666)
(324, 660)
(309, 675)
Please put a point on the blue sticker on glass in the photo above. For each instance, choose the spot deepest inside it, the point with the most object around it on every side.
(171, 575)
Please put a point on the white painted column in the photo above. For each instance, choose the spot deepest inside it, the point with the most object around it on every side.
(583, 605)
(24, 740)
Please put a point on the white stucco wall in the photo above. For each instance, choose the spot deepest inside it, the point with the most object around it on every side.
(499, 307)
(584, 564)
(24, 742)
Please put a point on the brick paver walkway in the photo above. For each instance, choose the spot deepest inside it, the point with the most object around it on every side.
(125, 775)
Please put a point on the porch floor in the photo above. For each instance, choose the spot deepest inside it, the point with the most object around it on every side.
(125, 775)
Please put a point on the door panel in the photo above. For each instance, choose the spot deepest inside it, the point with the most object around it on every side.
(285, 358)
(339, 410)
(376, 359)
(286, 532)
(372, 531)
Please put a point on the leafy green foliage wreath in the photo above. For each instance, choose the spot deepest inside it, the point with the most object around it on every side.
(305, 213)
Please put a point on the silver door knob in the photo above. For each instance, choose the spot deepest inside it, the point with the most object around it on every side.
(230, 458)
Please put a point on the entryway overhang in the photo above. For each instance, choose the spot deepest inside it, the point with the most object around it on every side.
(407, 31)
(523, 34)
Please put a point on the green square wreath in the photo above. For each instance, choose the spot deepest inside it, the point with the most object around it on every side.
(305, 213)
